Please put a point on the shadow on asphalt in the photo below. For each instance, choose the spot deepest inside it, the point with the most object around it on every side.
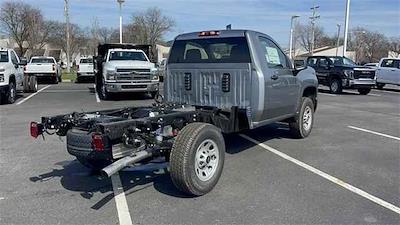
(343, 93)
(75, 177)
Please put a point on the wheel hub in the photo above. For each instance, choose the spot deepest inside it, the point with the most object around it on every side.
(206, 161)
(307, 118)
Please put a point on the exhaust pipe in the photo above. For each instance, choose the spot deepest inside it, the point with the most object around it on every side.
(124, 162)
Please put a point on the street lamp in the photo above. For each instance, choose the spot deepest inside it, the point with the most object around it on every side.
(120, 19)
(291, 35)
(346, 27)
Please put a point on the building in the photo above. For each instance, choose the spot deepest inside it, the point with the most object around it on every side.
(327, 51)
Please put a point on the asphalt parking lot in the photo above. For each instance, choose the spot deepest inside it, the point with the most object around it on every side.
(346, 172)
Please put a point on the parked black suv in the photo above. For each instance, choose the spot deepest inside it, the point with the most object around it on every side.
(340, 72)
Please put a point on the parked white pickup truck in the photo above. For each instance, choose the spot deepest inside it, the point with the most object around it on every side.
(44, 67)
(388, 72)
(125, 69)
(12, 76)
(85, 68)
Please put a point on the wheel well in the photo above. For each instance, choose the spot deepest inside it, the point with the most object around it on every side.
(311, 92)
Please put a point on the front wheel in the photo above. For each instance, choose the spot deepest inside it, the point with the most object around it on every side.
(33, 85)
(197, 158)
(364, 91)
(335, 86)
(12, 93)
(104, 94)
(302, 124)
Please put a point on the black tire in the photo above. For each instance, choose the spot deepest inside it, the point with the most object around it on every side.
(104, 94)
(11, 93)
(335, 86)
(184, 174)
(153, 94)
(26, 84)
(33, 85)
(55, 80)
(380, 86)
(364, 91)
(59, 79)
(297, 126)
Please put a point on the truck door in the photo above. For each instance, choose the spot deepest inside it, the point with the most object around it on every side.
(385, 71)
(323, 70)
(19, 73)
(282, 87)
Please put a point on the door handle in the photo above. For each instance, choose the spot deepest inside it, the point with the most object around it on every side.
(274, 77)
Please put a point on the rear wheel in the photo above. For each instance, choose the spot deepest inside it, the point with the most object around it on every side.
(197, 158)
(380, 86)
(55, 80)
(302, 124)
(33, 85)
(364, 91)
(26, 84)
(335, 86)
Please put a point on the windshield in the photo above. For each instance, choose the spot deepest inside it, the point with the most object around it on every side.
(42, 60)
(86, 61)
(211, 50)
(342, 61)
(123, 55)
(3, 56)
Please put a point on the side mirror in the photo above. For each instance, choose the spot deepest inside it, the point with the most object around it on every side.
(298, 68)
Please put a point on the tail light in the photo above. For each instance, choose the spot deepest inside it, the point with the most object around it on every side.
(226, 82)
(36, 129)
(208, 33)
(54, 67)
(98, 142)
(188, 81)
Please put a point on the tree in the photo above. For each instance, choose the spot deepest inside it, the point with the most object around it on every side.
(303, 34)
(58, 38)
(18, 20)
(148, 27)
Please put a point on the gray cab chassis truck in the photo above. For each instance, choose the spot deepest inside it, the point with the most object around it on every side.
(217, 82)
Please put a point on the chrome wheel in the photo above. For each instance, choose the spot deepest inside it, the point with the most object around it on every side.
(206, 163)
(12, 93)
(307, 118)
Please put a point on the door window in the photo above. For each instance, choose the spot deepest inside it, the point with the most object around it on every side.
(14, 59)
(388, 63)
(323, 62)
(273, 55)
(312, 62)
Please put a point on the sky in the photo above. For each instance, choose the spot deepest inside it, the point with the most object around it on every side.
(268, 16)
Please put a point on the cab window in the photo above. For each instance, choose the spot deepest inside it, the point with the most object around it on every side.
(323, 62)
(273, 55)
(388, 63)
(3, 56)
(312, 62)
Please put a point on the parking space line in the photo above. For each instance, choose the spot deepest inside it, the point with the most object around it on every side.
(96, 94)
(120, 201)
(326, 176)
(30, 96)
(374, 132)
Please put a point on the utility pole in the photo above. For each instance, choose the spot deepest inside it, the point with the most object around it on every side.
(120, 19)
(346, 27)
(338, 39)
(313, 18)
(66, 13)
(291, 36)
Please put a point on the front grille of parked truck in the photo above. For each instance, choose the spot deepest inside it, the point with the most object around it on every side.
(133, 74)
(368, 74)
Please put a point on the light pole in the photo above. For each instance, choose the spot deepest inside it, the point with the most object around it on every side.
(291, 36)
(338, 38)
(313, 18)
(120, 19)
(346, 27)
(66, 12)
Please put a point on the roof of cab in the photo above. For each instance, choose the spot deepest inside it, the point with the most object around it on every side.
(222, 34)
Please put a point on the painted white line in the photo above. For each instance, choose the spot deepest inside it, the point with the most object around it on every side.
(319, 93)
(96, 94)
(354, 92)
(120, 201)
(374, 132)
(30, 96)
(326, 176)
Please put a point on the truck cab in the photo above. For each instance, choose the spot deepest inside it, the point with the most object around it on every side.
(338, 73)
(388, 72)
(44, 67)
(126, 69)
(11, 75)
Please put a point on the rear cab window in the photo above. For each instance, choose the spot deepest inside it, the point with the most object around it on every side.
(42, 60)
(390, 63)
(210, 50)
(86, 61)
